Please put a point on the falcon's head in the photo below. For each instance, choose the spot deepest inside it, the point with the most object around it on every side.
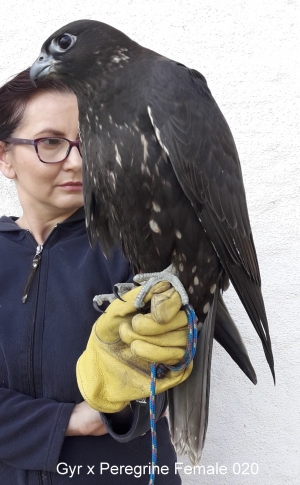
(77, 49)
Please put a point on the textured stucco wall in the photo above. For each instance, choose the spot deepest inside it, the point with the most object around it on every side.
(248, 51)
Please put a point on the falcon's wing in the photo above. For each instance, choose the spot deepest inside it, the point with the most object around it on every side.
(197, 139)
(227, 334)
(97, 220)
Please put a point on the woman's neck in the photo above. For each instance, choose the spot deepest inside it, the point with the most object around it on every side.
(41, 226)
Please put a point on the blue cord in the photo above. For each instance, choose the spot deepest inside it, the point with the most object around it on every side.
(160, 369)
(153, 423)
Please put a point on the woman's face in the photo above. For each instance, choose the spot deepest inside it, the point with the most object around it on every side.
(46, 188)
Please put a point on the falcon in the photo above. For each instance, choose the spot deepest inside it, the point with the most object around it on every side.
(162, 179)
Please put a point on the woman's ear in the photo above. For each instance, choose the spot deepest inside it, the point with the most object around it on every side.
(5, 162)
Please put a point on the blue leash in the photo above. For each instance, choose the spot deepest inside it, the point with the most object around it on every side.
(159, 370)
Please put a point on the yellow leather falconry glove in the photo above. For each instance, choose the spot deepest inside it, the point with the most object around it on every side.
(115, 367)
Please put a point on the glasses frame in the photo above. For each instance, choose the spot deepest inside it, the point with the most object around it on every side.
(24, 141)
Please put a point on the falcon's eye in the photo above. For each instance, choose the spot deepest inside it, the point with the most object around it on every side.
(65, 41)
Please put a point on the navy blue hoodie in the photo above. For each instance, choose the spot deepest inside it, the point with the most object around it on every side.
(40, 342)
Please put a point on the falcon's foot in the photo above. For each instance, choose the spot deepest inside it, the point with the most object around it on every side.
(148, 280)
(119, 290)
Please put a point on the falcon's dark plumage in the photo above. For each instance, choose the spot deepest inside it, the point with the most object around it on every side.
(162, 179)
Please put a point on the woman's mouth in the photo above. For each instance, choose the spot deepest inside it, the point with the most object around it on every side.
(71, 186)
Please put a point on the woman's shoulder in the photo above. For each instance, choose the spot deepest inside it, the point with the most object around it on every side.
(7, 223)
(9, 230)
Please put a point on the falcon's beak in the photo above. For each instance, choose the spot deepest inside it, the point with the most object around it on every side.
(41, 67)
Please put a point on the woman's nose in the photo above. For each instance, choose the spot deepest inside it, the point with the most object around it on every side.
(74, 159)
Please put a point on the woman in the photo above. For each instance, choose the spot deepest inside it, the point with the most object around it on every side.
(48, 277)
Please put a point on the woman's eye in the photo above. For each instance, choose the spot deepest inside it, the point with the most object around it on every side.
(51, 142)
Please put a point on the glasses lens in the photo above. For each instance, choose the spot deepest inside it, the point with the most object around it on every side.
(52, 150)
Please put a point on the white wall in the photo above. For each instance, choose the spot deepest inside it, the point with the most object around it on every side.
(248, 51)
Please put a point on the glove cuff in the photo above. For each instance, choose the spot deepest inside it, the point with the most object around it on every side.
(138, 421)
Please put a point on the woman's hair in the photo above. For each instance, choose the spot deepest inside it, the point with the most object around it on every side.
(14, 96)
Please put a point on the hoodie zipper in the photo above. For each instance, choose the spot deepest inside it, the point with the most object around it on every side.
(34, 266)
(33, 270)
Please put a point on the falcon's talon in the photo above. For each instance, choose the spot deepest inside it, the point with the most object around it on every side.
(117, 294)
(97, 308)
(100, 299)
(119, 289)
(122, 288)
(148, 280)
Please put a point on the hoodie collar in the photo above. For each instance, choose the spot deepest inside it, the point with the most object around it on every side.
(8, 224)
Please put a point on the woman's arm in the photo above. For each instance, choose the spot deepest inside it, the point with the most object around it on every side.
(32, 431)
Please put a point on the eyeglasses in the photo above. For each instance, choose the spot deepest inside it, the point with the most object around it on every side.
(49, 149)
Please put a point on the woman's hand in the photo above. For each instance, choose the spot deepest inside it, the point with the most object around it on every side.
(115, 368)
(85, 421)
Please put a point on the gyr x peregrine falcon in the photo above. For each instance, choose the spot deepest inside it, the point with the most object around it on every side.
(162, 179)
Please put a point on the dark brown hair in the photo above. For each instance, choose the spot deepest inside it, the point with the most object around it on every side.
(14, 96)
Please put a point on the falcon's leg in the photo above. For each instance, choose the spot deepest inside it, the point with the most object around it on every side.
(148, 280)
